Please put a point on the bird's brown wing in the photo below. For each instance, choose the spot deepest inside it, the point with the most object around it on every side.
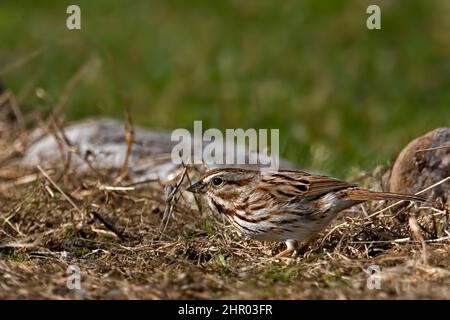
(299, 184)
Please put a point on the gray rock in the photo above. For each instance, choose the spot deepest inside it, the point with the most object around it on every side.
(101, 144)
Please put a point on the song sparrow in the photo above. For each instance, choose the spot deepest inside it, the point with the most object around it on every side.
(284, 205)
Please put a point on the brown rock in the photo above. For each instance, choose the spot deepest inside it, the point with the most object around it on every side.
(423, 162)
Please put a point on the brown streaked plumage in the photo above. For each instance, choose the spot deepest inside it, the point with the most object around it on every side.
(283, 205)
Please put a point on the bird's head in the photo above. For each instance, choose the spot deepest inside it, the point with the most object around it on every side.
(226, 184)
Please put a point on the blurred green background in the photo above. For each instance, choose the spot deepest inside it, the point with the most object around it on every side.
(344, 97)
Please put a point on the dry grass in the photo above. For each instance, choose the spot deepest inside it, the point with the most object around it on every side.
(122, 254)
(51, 219)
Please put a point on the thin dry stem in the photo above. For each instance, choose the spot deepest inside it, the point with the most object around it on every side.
(46, 176)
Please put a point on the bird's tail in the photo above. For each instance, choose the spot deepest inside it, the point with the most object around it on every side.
(357, 194)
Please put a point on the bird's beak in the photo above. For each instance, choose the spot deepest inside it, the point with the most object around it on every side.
(196, 187)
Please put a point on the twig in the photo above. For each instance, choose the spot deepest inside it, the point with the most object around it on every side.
(408, 239)
(58, 133)
(15, 228)
(198, 203)
(21, 61)
(14, 104)
(414, 226)
(73, 81)
(170, 192)
(331, 231)
(364, 210)
(437, 211)
(109, 225)
(129, 138)
(16, 110)
(140, 182)
(61, 191)
(432, 149)
(401, 201)
(112, 188)
(70, 147)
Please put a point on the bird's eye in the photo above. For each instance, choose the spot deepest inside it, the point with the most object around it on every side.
(217, 182)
